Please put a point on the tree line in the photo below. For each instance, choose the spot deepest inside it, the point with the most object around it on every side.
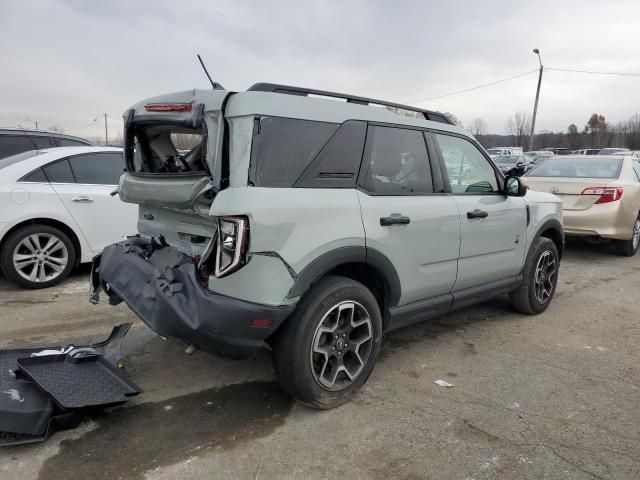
(597, 132)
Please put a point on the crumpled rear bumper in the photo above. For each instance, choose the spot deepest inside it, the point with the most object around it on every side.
(161, 286)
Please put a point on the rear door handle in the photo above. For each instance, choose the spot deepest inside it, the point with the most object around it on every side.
(394, 219)
(82, 199)
(477, 213)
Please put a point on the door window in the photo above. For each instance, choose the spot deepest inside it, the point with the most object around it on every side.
(396, 162)
(469, 171)
(97, 168)
(65, 142)
(13, 144)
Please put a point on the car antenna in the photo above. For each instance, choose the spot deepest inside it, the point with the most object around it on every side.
(214, 85)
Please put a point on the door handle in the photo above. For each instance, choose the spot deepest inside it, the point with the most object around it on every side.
(82, 199)
(477, 213)
(394, 219)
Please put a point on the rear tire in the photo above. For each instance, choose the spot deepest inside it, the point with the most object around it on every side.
(628, 248)
(540, 277)
(329, 346)
(37, 256)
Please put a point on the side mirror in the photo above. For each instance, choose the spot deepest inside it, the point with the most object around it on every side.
(514, 187)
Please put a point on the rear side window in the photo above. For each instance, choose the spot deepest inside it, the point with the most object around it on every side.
(396, 162)
(283, 148)
(636, 169)
(59, 172)
(13, 144)
(37, 176)
(97, 168)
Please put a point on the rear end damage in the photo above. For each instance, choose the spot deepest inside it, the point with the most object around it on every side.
(163, 287)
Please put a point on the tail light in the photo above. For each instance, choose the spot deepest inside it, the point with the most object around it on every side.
(607, 194)
(168, 107)
(231, 249)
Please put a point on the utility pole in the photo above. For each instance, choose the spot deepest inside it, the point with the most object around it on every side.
(106, 130)
(535, 105)
(32, 121)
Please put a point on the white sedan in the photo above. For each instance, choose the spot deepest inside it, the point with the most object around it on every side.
(57, 211)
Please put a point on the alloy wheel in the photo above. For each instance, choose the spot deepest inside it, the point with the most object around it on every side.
(40, 257)
(341, 346)
(545, 276)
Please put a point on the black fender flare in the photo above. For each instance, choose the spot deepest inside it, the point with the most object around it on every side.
(550, 224)
(353, 254)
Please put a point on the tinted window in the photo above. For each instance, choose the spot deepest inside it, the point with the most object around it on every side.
(35, 176)
(396, 161)
(338, 163)
(42, 142)
(59, 172)
(469, 171)
(283, 148)
(13, 144)
(65, 142)
(97, 168)
(579, 168)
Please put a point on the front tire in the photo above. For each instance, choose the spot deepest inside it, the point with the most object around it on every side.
(540, 278)
(329, 346)
(37, 256)
(628, 248)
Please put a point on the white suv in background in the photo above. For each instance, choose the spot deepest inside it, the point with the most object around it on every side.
(56, 211)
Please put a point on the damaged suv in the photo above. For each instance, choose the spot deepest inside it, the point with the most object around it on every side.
(276, 217)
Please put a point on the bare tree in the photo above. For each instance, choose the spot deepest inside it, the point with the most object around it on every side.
(453, 119)
(478, 126)
(56, 129)
(519, 126)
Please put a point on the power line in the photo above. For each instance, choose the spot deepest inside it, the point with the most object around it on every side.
(79, 128)
(594, 72)
(474, 88)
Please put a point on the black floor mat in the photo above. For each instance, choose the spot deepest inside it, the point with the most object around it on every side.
(82, 382)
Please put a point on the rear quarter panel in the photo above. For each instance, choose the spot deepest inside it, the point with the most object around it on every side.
(299, 224)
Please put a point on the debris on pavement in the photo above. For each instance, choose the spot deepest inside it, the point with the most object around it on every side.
(47, 389)
(442, 383)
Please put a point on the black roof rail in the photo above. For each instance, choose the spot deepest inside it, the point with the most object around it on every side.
(303, 92)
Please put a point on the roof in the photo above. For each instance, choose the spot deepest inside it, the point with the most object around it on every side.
(40, 133)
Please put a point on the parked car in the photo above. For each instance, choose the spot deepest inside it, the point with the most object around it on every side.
(586, 151)
(494, 152)
(600, 195)
(539, 153)
(14, 141)
(312, 226)
(512, 164)
(612, 151)
(631, 153)
(56, 211)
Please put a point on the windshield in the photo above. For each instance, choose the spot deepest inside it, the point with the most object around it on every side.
(161, 148)
(578, 168)
(5, 162)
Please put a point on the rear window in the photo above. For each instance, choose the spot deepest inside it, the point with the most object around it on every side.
(579, 168)
(283, 148)
(167, 149)
(5, 162)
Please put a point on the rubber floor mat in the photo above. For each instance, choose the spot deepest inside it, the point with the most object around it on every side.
(87, 381)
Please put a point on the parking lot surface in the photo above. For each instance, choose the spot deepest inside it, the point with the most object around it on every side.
(549, 396)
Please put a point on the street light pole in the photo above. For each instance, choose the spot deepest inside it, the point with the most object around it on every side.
(106, 131)
(535, 105)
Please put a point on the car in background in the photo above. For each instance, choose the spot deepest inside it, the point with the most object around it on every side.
(57, 210)
(631, 153)
(539, 153)
(512, 164)
(612, 151)
(14, 141)
(586, 151)
(600, 196)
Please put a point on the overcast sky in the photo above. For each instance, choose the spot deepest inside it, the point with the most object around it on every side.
(64, 62)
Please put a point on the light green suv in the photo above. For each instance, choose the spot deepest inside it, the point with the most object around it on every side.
(276, 217)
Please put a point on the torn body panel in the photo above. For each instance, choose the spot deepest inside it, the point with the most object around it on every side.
(161, 285)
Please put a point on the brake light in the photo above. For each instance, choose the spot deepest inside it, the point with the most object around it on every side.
(607, 194)
(233, 239)
(168, 107)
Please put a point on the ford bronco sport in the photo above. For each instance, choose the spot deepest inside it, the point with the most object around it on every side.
(275, 217)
